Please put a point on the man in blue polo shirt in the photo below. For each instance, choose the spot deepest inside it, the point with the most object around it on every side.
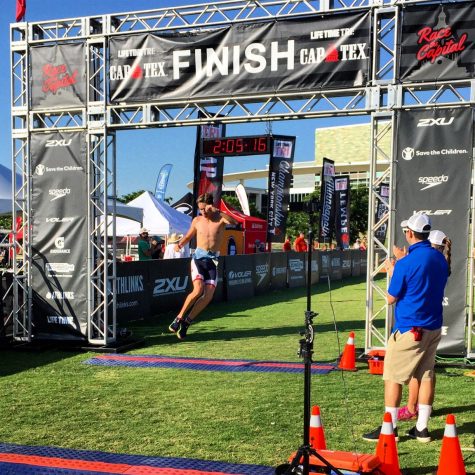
(417, 288)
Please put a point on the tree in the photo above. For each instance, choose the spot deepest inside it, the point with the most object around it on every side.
(233, 201)
(359, 199)
(130, 196)
(5, 222)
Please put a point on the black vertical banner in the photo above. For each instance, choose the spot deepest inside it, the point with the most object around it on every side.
(59, 234)
(342, 215)
(381, 210)
(280, 177)
(327, 199)
(433, 173)
(208, 171)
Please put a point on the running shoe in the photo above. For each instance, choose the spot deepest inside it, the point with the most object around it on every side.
(175, 325)
(184, 324)
(420, 435)
(373, 436)
(404, 414)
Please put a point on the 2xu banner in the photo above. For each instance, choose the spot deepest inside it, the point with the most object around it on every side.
(438, 42)
(58, 76)
(280, 177)
(433, 172)
(342, 215)
(208, 171)
(327, 200)
(262, 57)
(59, 234)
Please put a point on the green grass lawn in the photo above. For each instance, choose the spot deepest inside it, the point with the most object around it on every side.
(51, 398)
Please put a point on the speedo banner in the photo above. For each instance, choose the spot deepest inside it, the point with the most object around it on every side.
(381, 210)
(433, 173)
(438, 42)
(208, 171)
(59, 234)
(58, 75)
(280, 177)
(342, 215)
(262, 57)
(327, 200)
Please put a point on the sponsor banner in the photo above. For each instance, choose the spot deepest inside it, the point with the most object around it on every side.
(335, 265)
(381, 210)
(434, 155)
(132, 290)
(342, 214)
(355, 263)
(437, 42)
(208, 171)
(162, 181)
(239, 276)
(346, 264)
(184, 204)
(316, 263)
(263, 57)
(325, 265)
(280, 177)
(170, 281)
(327, 200)
(297, 269)
(58, 76)
(278, 264)
(59, 234)
(262, 272)
(219, 295)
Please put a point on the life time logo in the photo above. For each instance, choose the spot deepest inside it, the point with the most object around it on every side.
(409, 153)
(432, 181)
(58, 193)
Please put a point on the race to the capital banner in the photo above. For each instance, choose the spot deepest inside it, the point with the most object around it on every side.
(263, 57)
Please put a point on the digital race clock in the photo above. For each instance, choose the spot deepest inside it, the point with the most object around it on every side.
(229, 146)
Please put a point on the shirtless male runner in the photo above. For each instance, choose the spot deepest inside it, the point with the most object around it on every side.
(209, 232)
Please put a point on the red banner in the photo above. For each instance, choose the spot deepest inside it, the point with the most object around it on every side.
(20, 9)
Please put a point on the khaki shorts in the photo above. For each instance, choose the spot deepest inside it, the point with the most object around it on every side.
(406, 358)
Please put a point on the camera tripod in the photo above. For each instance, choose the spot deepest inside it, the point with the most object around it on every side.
(300, 464)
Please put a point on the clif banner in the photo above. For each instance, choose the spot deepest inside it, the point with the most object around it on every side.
(280, 177)
(327, 200)
(433, 173)
(58, 76)
(342, 215)
(438, 42)
(265, 57)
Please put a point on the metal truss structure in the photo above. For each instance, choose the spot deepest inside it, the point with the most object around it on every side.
(380, 99)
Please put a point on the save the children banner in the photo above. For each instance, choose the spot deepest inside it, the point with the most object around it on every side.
(280, 177)
(59, 234)
(283, 55)
(327, 200)
(433, 173)
(437, 42)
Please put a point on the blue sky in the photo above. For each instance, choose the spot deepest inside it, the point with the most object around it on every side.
(141, 153)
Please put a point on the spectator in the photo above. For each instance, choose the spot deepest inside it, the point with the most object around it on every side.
(300, 245)
(171, 253)
(145, 248)
(159, 244)
(287, 244)
(357, 244)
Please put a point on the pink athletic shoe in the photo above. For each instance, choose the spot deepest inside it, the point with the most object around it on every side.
(404, 414)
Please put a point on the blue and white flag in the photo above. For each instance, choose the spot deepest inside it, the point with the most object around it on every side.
(162, 181)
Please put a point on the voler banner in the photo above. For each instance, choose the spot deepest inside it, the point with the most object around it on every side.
(433, 172)
(280, 177)
(342, 214)
(327, 200)
(438, 42)
(59, 234)
(208, 171)
(263, 57)
(58, 76)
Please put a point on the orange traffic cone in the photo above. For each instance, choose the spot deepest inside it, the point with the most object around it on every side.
(317, 436)
(348, 358)
(386, 449)
(451, 459)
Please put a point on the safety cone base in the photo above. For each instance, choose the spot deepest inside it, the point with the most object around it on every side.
(364, 463)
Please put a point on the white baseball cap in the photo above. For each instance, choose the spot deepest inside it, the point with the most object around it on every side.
(419, 222)
(437, 237)
(143, 230)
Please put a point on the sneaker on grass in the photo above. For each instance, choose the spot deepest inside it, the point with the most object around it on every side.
(404, 414)
(175, 325)
(373, 436)
(421, 436)
(184, 325)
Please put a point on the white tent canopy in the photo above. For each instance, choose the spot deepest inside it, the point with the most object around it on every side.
(158, 217)
(6, 189)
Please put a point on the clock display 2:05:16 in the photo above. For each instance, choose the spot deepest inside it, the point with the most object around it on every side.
(236, 146)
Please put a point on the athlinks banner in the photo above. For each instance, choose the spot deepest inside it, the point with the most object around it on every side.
(342, 215)
(262, 57)
(58, 76)
(280, 177)
(438, 42)
(433, 173)
(208, 171)
(59, 234)
(327, 200)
